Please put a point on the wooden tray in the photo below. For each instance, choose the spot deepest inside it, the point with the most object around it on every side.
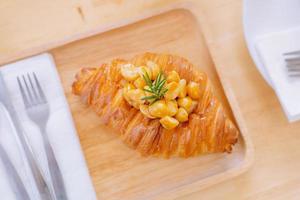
(117, 171)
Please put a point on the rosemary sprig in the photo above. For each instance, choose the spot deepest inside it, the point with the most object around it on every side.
(156, 88)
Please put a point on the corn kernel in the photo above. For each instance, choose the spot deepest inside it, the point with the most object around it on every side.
(182, 88)
(173, 76)
(193, 90)
(139, 83)
(172, 107)
(185, 103)
(134, 97)
(129, 72)
(127, 87)
(155, 69)
(143, 70)
(182, 115)
(169, 122)
(173, 91)
(158, 109)
(194, 105)
(145, 111)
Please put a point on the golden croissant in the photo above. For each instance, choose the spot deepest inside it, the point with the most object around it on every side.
(179, 131)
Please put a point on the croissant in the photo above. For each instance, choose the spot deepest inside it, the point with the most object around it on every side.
(207, 130)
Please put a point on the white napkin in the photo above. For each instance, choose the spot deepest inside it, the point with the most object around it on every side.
(271, 49)
(61, 131)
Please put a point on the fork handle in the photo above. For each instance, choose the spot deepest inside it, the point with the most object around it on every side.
(13, 176)
(35, 170)
(55, 172)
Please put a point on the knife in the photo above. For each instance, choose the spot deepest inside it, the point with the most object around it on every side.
(15, 181)
(40, 182)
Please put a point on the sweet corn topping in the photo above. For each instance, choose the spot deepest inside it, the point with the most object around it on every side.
(168, 98)
(193, 90)
(127, 87)
(185, 102)
(145, 111)
(172, 107)
(182, 88)
(182, 115)
(173, 91)
(139, 83)
(155, 69)
(143, 70)
(169, 122)
(192, 108)
(134, 97)
(129, 72)
(173, 76)
(159, 109)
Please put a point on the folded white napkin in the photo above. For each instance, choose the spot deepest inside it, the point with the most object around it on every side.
(61, 131)
(271, 48)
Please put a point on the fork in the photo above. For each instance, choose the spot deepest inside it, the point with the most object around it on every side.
(38, 111)
(292, 60)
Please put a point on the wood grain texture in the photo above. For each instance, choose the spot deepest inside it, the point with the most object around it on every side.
(275, 174)
(118, 171)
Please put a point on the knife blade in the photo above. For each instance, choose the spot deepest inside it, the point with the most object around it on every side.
(40, 182)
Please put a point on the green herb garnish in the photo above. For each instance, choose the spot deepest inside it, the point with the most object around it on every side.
(156, 88)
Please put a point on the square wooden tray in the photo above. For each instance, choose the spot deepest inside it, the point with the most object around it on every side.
(119, 172)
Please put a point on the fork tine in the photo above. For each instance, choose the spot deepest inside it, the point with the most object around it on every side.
(292, 59)
(41, 93)
(34, 92)
(296, 62)
(294, 69)
(25, 98)
(28, 91)
(293, 65)
(291, 53)
(295, 75)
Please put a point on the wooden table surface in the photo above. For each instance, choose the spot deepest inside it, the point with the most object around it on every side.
(275, 173)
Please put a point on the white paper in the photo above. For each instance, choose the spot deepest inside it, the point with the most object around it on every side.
(60, 128)
(271, 49)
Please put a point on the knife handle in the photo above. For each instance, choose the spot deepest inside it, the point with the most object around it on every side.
(13, 177)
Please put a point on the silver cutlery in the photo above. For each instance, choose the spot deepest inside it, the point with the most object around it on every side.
(38, 111)
(292, 60)
(14, 179)
(40, 182)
